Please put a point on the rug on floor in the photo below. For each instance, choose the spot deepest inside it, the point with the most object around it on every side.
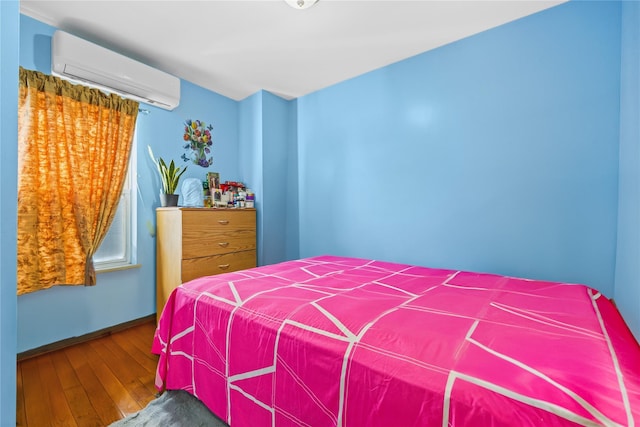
(174, 408)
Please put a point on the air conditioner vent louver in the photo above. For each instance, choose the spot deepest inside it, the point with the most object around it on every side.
(81, 61)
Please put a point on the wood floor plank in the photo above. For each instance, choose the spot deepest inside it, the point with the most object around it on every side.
(124, 367)
(144, 338)
(121, 363)
(127, 346)
(115, 389)
(36, 403)
(89, 384)
(143, 385)
(143, 345)
(145, 333)
(21, 416)
(83, 412)
(141, 392)
(149, 383)
(60, 414)
(66, 374)
(103, 404)
(129, 342)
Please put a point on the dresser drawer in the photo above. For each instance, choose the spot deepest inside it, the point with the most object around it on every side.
(217, 264)
(217, 232)
(197, 242)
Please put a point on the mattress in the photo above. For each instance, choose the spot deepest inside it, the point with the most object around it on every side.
(335, 341)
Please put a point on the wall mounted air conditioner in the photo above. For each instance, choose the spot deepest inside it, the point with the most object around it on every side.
(80, 61)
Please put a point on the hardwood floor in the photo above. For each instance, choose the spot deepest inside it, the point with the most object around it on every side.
(90, 384)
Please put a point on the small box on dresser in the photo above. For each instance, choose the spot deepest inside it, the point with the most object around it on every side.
(196, 242)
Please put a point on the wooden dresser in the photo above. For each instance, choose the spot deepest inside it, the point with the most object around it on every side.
(196, 242)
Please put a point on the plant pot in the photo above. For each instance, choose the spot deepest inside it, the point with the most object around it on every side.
(168, 200)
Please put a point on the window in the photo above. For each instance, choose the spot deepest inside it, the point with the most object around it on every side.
(118, 247)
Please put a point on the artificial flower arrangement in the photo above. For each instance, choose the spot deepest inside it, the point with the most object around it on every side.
(197, 136)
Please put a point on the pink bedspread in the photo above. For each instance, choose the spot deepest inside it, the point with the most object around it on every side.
(332, 341)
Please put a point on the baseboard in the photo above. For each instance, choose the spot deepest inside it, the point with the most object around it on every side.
(58, 345)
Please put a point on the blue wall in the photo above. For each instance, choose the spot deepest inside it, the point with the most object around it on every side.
(268, 154)
(278, 178)
(9, 31)
(627, 288)
(496, 153)
(292, 209)
(250, 143)
(63, 312)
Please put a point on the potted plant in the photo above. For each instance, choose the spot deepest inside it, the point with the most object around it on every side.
(169, 175)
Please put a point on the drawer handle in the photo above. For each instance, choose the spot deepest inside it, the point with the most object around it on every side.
(223, 221)
(223, 244)
(224, 266)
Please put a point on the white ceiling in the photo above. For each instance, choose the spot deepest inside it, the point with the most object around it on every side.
(238, 47)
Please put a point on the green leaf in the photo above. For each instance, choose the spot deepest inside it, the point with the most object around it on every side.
(169, 175)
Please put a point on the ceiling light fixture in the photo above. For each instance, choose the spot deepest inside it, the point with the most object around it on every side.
(301, 4)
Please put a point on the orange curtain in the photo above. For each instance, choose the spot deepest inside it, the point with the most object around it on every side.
(74, 145)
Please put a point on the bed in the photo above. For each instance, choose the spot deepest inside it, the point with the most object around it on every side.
(335, 341)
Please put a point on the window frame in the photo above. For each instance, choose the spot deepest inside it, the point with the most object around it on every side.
(129, 191)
